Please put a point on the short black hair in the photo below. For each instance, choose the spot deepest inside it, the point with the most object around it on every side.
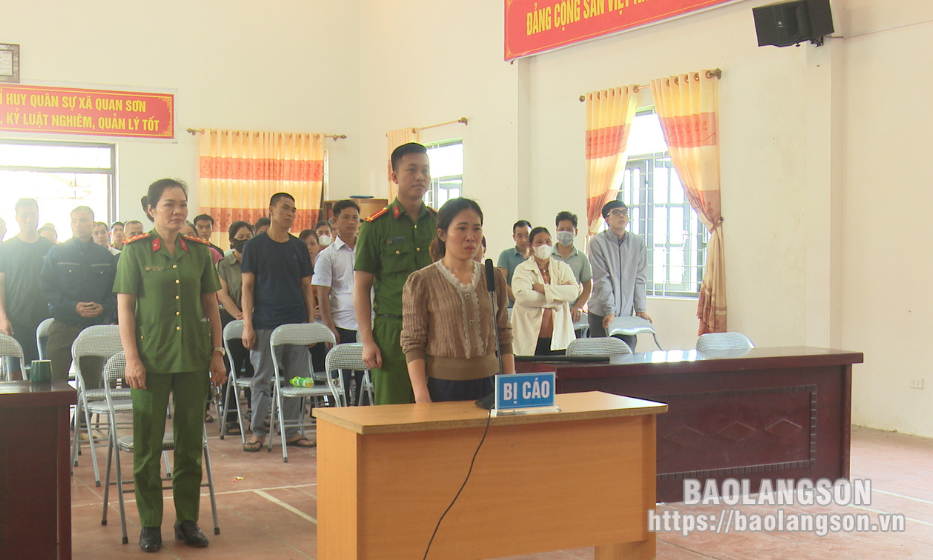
(565, 215)
(519, 224)
(405, 149)
(611, 205)
(23, 202)
(342, 205)
(277, 196)
(322, 223)
(235, 228)
(128, 222)
(305, 234)
(115, 224)
(201, 217)
(536, 231)
(264, 221)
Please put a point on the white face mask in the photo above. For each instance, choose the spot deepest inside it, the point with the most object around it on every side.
(565, 238)
(542, 251)
(324, 240)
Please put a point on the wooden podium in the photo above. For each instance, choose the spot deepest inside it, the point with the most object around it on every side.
(581, 477)
(35, 474)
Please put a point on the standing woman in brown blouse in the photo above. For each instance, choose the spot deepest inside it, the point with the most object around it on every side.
(448, 334)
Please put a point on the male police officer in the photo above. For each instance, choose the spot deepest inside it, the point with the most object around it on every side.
(393, 243)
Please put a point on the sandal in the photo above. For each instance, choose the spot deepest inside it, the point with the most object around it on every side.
(301, 442)
(252, 446)
(208, 418)
(233, 429)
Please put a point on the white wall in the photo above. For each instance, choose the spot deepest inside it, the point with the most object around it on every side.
(288, 66)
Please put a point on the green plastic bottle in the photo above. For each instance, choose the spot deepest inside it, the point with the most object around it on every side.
(302, 382)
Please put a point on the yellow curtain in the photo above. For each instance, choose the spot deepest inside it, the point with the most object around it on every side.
(240, 171)
(688, 106)
(396, 138)
(609, 115)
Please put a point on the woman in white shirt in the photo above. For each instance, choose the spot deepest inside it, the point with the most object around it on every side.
(544, 288)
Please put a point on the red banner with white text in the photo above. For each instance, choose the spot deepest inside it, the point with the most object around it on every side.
(96, 112)
(533, 26)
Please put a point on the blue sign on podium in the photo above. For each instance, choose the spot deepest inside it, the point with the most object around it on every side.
(526, 392)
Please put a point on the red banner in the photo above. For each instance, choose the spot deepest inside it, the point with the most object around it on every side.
(533, 26)
(86, 111)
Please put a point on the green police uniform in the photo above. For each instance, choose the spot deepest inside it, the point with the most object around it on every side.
(391, 246)
(173, 338)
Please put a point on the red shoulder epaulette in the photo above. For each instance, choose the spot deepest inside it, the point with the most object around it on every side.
(377, 214)
(136, 238)
(432, 210)
(196, 239)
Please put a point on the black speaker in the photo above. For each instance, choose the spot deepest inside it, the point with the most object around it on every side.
(789, 23)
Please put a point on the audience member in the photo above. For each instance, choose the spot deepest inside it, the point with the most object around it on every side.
(101, 236)
(116, 235)
(166, 287)
(22, 307)
(512, 257)
(325, 233)
(333, 280)
(204, 226)
(262, 224)
(448, 361)
(189, 231)
(230, 298)
(393, 243)
(565, 251)
(77, 282)
(620, 270)
(276, 276)
(544, 288)
(310, 239)
(480, 255)
(2, 229)
(48, 231)
(131, 229)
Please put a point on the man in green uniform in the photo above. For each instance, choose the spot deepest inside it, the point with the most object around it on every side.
(392, 244)
(171, 293)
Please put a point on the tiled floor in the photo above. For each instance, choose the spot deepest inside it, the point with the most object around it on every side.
(267, 509)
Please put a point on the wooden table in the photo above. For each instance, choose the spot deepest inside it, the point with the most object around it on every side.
(580, 477)
(35, 477)
(760, 413)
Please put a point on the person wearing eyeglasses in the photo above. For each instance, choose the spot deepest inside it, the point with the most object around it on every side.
(619, 259)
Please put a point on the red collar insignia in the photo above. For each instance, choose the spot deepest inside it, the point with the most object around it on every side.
(396, 211)
(156, 244)
(184, 246)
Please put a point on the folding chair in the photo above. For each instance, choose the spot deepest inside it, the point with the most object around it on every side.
(631, 326)
(233, 331)
(582, 327)
(42, 337)
(603, 347)
(347, 357)
(114, 370)
(724, 341)
(10, 348)
(102, 341)
(303, 334)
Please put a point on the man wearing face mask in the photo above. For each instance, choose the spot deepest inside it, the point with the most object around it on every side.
(579, 263)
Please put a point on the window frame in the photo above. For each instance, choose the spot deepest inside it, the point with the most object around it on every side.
(436, 181)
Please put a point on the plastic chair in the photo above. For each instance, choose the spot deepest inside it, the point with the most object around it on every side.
(347, 357)
(598, 347)
(102, 341)
(233, 331)
(42, 337)
(582, 327)
(724, 341)
(10, 348)
(114, 370)
(300, 334)
(631, 326)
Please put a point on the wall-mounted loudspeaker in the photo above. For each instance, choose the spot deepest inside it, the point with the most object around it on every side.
(789, 23)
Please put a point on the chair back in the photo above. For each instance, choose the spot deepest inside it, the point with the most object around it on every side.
(102, 341)
(724, 341)
(9, 346)
(232, 331)
(301, 334)
(343, 357)
(598, 347)
(114, 371)
(42, 337)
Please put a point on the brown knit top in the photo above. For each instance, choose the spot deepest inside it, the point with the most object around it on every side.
(449, 324)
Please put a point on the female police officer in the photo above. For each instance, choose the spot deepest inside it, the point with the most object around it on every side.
(169, 322)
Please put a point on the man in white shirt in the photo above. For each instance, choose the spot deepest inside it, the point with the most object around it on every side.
(333, 277)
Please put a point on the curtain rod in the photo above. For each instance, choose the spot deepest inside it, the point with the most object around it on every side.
(334, 136)
(717, 73)
(462, 120)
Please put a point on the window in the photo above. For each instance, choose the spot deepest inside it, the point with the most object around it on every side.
(446, 172)
(60, 176)
(660, 212)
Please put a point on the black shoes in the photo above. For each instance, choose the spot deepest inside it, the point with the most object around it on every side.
(188, 531)
(150, 539)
